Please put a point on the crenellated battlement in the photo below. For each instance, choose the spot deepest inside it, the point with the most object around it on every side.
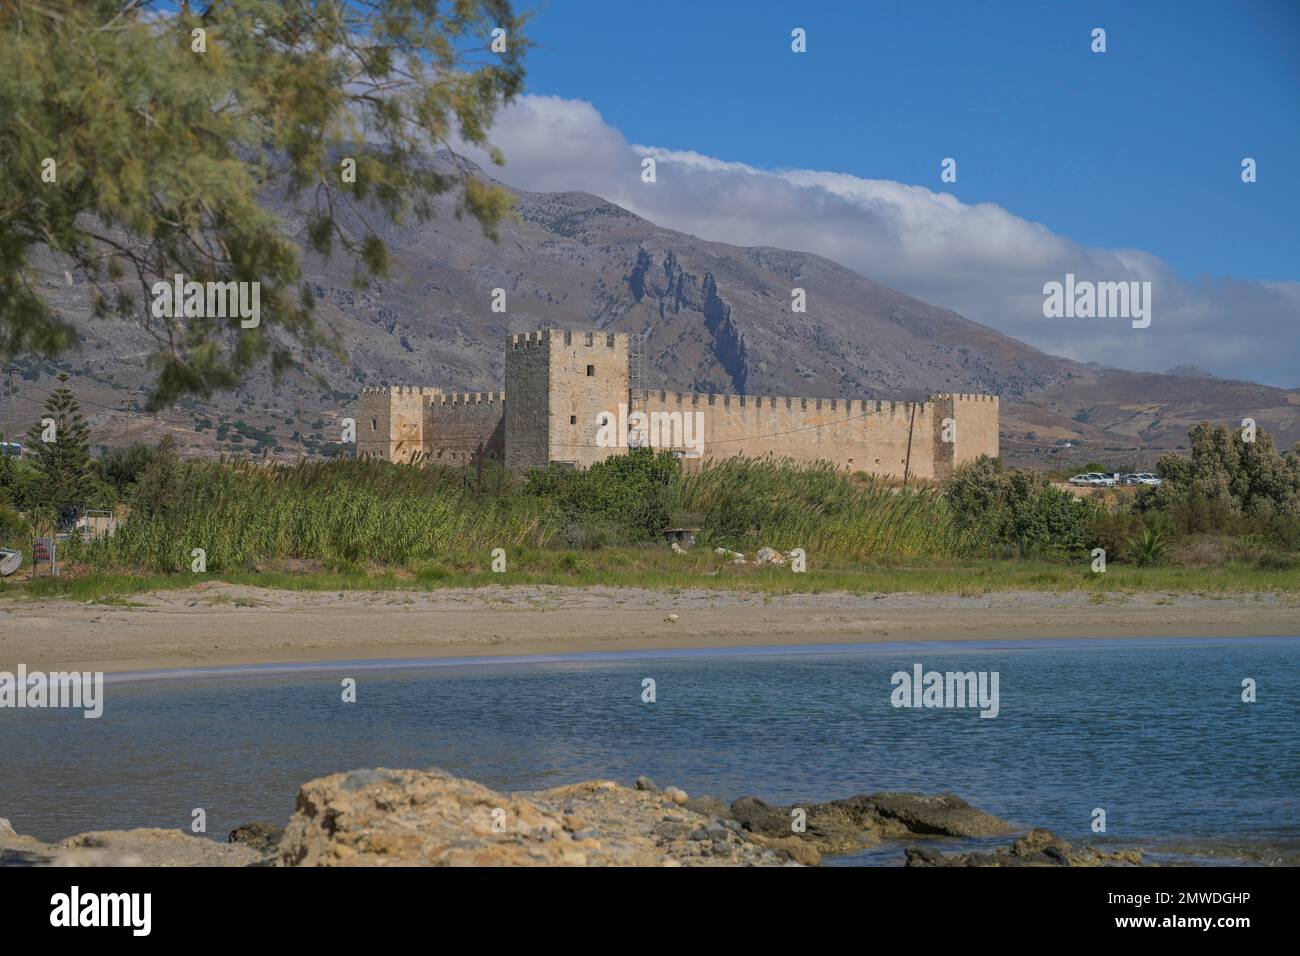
(400, 390)
(568, 338)
(466, 398)
(865, 406)
(966, 397)
(528, 340)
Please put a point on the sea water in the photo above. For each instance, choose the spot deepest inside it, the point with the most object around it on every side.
(1154, 732)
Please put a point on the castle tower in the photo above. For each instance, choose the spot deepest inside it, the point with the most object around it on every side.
(390, 421)
(560, 385)
(964, 427)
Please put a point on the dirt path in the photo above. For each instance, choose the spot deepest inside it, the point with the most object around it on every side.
(220, 624)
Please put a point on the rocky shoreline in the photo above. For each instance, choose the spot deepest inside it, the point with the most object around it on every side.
(430, 818)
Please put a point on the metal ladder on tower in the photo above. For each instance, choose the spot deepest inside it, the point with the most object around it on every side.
(637, 379)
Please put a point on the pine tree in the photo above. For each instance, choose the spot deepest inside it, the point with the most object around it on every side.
(63, 462)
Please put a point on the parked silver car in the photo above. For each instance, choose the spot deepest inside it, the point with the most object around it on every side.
(1142, 478)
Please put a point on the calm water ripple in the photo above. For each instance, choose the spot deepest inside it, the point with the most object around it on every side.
(1154, 732)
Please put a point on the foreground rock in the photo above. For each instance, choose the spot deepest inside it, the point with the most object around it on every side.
(141, 847)
(262, 837)
(423, 818)
(1036, 848)
(431, 818)
(385, 817)
(842, 826)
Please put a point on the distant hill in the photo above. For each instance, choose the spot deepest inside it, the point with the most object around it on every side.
(1189, 371)
(715, 317)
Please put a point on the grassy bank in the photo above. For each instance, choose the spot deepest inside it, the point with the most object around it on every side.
(244, 516)
(350, 524)
(661, 570)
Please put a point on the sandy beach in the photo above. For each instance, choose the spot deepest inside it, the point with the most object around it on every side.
(219, 625)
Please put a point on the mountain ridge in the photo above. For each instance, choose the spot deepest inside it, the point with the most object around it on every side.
(714, 316)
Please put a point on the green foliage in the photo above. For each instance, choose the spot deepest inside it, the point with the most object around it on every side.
(639, 489)
(1053, 521)
(1273, 561)
(1019, 509)
(442, 523)
(349, 512)
(659, 568)
(1229, 485)
(625, 497)
(160, 482)
(1114, 531)
(429, 519)
(1233, 500)
(122, 467)
(9, 490)
(163, 149)
(13, 529)
(63, 464)
(1149, 549)
(20, 484)
(819, 508)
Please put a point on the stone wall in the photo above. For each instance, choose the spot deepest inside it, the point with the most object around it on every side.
(882, 437)
(390, 421)
(458, 428)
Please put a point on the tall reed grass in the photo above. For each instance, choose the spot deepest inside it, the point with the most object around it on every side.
(823, 510)
(244, 515)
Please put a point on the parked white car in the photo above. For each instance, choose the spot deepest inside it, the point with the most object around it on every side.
(1093, 479)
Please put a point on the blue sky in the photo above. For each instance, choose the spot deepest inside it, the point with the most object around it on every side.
(1122, 166)
(1139, 147)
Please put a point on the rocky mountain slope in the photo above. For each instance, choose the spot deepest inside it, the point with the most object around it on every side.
(715, 317)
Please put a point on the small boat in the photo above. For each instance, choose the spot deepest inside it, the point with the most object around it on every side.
(10, 560)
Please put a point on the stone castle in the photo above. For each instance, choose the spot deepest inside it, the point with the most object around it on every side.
(571, 391)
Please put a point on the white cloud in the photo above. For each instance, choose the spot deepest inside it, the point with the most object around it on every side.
(980, 260)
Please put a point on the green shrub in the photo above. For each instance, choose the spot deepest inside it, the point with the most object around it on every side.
(1148, 549)
(1021, 509)
(1115, 530)
(13, 529)
(122, 467)
(1226, 480)
(1273, 561)
(625, 498)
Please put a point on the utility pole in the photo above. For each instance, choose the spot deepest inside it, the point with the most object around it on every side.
(10, 401)
(907, 465)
